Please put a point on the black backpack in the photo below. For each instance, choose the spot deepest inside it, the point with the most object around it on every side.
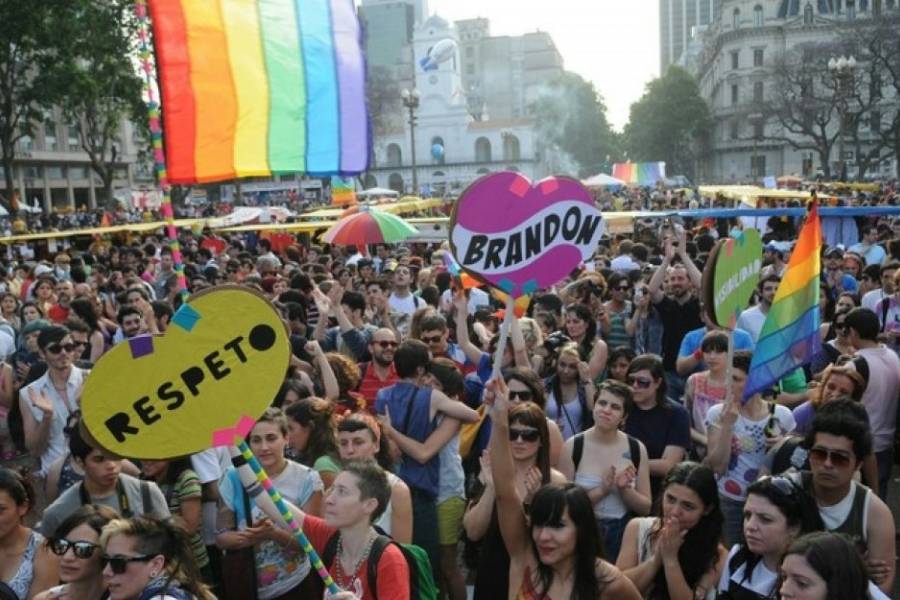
(634, 447)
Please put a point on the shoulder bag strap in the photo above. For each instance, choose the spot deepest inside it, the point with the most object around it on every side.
(634, 447)
(146, 498)
(378, 547)
(577, 449)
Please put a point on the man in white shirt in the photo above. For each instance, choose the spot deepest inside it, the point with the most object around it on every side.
(871, 299)
(402, 300)
(752, 319)
(47, 402)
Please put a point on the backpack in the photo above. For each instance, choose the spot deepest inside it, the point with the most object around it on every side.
(421, 579)
(634, 447)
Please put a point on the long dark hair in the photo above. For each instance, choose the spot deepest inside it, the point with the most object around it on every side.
(84, 310)
(797, 506)
(316, 414)
(554, 385)
(548, 506)
(529, 379)
(834, 557)
(584, 313)
(531, 415)
(700, 550)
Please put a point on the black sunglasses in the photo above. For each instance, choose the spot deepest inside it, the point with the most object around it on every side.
(385, 344)
(57, 348)
(80, 549)
(838, 458)
(118, 564)
(523, 395)
(526, 435)
(785, 486)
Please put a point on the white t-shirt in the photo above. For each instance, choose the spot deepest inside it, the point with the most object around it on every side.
(871, 299)
(57, 442)
(751, 321)
(748, 449)
(210, 465)
(477, 299)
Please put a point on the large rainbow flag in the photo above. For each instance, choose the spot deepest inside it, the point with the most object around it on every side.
(643, 173)
(343, 193)
(256, 87)
(790, 335)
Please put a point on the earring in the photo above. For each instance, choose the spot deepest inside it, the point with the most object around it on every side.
(153, 574)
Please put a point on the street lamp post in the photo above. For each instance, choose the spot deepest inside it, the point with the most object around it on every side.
(411, 102)
(842, 71)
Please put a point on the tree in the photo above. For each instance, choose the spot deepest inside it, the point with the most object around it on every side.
(671, 122)
(97, 83)
(27, 45)
(571, 114)
(882, 44)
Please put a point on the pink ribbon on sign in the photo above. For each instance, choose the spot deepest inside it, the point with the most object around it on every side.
(226, 436)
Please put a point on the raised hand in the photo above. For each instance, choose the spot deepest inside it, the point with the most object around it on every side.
(41, 401)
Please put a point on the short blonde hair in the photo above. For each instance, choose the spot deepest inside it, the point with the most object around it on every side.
(531, 331)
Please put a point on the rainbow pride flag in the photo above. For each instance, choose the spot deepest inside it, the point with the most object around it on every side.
(643, 174)
(790, 335)
(342, 192)
(258, 87)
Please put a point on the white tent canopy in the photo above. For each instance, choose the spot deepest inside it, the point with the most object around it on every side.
(602, 180)
(378, 192)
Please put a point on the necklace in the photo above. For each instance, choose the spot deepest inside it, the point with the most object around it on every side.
(345, 580)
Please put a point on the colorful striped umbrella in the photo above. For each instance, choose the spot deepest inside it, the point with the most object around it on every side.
(369, 226)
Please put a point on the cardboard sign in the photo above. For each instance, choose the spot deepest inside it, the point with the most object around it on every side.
(520, 237)
(205, 381)
(730, 276)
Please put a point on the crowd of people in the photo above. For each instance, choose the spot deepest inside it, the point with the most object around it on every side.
(610, 457)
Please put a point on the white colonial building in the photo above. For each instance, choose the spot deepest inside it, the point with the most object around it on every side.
(734, 60)
(451, 147)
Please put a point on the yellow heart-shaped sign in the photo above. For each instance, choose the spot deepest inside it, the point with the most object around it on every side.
(207, 380)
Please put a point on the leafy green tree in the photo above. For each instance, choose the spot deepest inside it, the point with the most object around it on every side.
(97, 83)
(27, 45)
(571, 115)
(671, 122)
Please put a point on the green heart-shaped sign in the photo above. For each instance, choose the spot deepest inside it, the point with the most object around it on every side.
(731, 275)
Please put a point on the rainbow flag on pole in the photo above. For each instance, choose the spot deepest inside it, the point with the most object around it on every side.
(256, 87)
(343, 193)
(790, 335)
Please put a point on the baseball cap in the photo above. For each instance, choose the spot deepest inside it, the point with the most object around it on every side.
(390, 266)
(833, 251)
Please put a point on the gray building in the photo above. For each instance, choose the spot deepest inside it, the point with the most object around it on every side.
(741, 68)
(388, 27)
(51, 169)
(677, 20)
(502, 75)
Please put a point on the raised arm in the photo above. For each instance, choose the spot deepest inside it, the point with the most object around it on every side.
(509, 506)
(718, 437)
(460, 306)
(655, 286)
(517, 339)
(329, 380)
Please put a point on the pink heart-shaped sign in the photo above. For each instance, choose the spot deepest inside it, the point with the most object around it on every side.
(521, 237)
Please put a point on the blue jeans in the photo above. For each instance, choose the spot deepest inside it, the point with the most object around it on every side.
(613, 530)
(733, 528)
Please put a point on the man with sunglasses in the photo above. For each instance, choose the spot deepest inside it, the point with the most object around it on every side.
(47, 402)
(379, 372)
(837, 442)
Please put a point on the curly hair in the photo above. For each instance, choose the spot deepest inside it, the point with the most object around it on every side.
(318, 416)
(345, 371)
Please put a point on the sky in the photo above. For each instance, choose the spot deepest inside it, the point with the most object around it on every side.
(614, 44)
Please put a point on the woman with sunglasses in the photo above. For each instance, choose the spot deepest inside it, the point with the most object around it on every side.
(149, 559)
(526, 386)
(825, 566)
(837, 343)
(676, 554)
(529, 444)
(661, 425)
(76, 542)
(610, 465)
(616, 312)
(776, 513)
(554, 545)
(27, 566)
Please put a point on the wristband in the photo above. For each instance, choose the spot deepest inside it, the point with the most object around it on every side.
(238, 461)
(698, 354)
